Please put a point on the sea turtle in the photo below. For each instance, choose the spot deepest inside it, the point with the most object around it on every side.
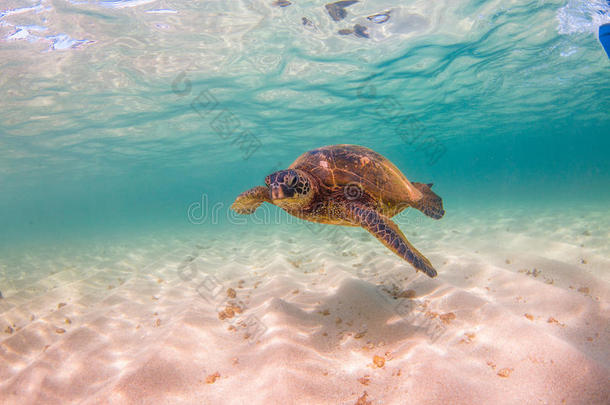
(348, 185)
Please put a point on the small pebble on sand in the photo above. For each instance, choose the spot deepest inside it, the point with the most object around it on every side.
(447, 318)
(211, 379)
(364, 380)
(505, 372)
(359, 335)
(362, 400)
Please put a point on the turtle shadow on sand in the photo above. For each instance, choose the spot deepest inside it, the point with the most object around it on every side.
(359, 311)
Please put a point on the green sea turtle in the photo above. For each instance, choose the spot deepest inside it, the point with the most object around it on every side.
(348, 185)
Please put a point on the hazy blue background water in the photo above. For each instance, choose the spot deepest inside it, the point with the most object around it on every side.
(498, 103)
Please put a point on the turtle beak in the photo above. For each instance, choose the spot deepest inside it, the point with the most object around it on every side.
(280, 191)
(275, 193)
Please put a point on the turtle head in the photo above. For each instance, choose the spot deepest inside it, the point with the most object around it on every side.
(290, 189)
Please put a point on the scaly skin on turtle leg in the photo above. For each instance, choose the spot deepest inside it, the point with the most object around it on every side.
(390, 235)
(248, 201)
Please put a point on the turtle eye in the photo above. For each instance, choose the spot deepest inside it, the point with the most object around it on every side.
(292, 181)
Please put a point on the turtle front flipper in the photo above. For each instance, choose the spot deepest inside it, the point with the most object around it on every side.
(248, 201)
(384, 229)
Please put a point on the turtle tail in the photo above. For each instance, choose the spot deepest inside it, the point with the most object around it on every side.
(430, 204)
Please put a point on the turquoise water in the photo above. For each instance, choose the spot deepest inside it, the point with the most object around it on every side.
(104, 126)
(127, 129)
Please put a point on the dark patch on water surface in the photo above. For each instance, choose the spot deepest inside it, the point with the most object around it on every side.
(358, 30)
(337, 10)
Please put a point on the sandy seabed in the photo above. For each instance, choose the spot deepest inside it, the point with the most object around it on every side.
(295, 314)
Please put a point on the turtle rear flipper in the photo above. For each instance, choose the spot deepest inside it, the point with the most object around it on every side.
(388, 233)
(248, 201)
(430, 204)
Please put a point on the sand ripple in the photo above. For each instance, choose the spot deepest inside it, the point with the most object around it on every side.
(286, 315)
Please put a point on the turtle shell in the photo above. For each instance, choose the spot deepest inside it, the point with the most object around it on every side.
(351, 168)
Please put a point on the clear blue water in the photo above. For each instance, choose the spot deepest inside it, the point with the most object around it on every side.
(107, 125)
(127, 129)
